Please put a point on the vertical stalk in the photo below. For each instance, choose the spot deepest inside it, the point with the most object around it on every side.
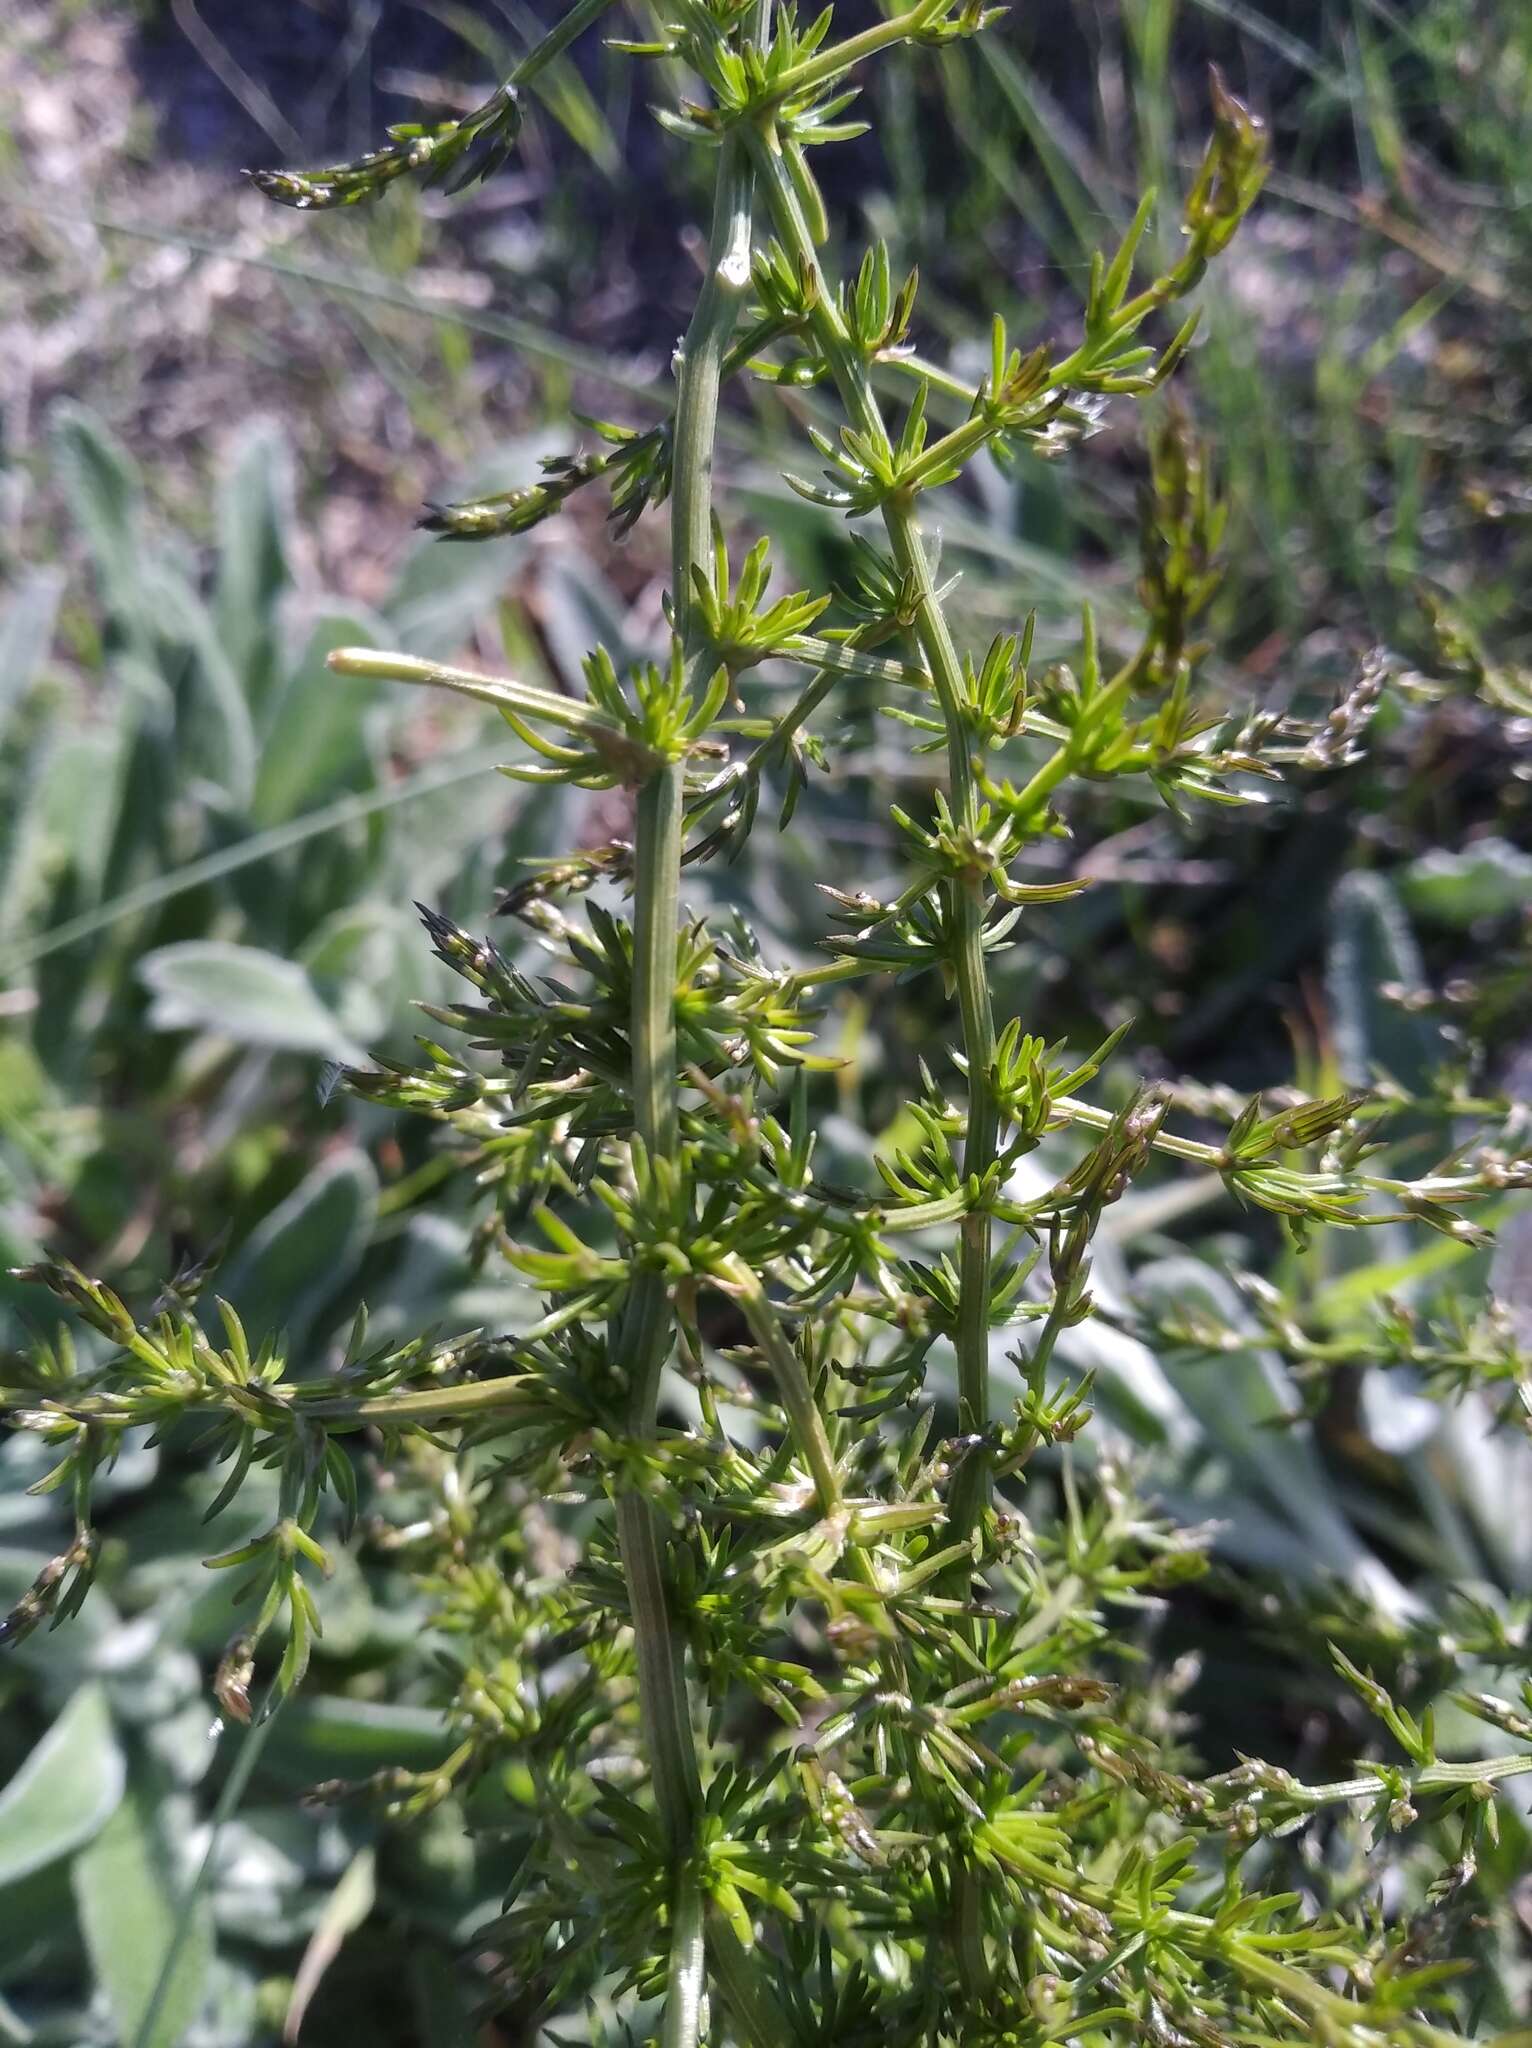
(963, 905)
(645, 1332)
(644, 1337)
(804, 1421)
(963, 900)
(700, 372)
(686, 1984)
(656, 919)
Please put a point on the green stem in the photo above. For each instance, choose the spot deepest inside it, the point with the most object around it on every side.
(797, 1396)
(424, 1404)
(1094, 1119)
(959, 445)
(804, 1420)
(647, 1327)
(964, 906)
(701, 371)
(656, 921)
(899, 362)
(661, 1681)
(970, 1488)
(1429, 1778)
(526, 700)
(849, 661)
(802, 708)
(644, 1336)
(842, 56)
(557, 40)
(265, 1407)
(686, 1979)
(963, 898)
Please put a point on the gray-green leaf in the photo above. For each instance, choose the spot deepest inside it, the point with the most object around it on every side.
(129, 1914)
(26, 633)
(1490, 878)
(307, 1249)
(65, 1791)
(1372, 950)
(316, 742)
(243, 993)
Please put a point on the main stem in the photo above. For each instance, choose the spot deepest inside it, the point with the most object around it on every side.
(646, 1330)
(963, 899)
(963, 906)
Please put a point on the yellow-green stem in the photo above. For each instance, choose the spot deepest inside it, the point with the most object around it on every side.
(557, 40)
(797, 1397)
(963, 898)
(686, 1979)
(647, 1326)
(428, 1404)
(841, 57)
(963, 904)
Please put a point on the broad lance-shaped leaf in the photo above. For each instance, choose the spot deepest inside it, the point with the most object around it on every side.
(105, 493)
(1490, 878)
(255, 518)
(317, 740)
(26, 633)
(65, 1791)
(330, 1735)
(345, 1910)
(1372, 955)
(240, 992)
(305, 1252)
(215, 737)
(131, 1913)
(1246, 1407)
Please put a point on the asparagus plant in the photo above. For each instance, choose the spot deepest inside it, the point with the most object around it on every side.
(815, 1742)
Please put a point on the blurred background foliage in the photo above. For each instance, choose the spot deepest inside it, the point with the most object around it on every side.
(219, 424)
